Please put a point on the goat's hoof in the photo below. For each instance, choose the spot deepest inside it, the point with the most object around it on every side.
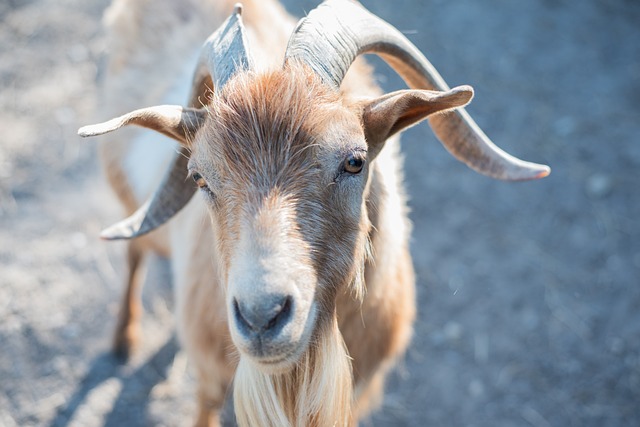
(125, 342)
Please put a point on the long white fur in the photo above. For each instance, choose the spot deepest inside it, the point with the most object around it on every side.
(293, 399)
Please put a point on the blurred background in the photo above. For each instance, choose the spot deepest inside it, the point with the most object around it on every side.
(529, 293)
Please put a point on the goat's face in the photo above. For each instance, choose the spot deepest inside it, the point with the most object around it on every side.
(282, 164)
(282, 160)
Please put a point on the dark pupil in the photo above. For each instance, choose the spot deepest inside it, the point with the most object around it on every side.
(354, 164)
(196, 177)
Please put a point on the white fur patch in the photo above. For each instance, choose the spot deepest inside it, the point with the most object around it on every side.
(268, 262)
(150, 153)
(147, 161)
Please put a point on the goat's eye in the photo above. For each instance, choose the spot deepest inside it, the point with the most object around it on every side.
(199, 180)
(353, 164)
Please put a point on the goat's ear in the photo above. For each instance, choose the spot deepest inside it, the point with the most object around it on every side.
(384, 116)
(174, 121)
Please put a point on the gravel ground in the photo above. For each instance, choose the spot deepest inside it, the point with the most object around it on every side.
(529, 293)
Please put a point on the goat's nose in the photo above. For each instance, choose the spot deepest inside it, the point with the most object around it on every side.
(269, 314)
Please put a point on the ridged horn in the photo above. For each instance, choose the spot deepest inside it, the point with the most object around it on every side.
(331, 37)
(223, 54)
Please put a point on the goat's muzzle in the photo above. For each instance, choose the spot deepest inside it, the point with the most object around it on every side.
(272, 330)
(264, 319)
(270, 291)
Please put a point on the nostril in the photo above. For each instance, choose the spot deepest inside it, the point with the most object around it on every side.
(267, 315)
(242, 322)
(283, 314)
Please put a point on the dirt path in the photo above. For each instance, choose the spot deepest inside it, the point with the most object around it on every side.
(529, 293)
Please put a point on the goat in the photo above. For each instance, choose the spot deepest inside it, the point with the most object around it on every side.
(304, 270)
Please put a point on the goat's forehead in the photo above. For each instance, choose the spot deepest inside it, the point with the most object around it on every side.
(275, 124)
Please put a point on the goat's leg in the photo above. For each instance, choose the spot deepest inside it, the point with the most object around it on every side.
(215, 368)
(208, 345)
(370, 396)
(127, 331)
(205, 336)
(208, 410)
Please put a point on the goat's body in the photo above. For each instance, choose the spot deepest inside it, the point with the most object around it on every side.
(157, 44)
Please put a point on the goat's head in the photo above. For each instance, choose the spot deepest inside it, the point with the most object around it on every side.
(282, 160)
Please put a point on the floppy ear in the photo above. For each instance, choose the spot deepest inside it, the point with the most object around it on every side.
(171, 120)
(384, 116)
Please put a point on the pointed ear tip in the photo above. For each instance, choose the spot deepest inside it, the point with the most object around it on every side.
(91, 130)
(464, 90)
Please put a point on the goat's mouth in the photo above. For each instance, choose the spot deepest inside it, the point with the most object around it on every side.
(278, 352)
(272, 360)
(278, 364)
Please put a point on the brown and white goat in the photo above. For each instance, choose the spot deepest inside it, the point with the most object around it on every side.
(304, 268)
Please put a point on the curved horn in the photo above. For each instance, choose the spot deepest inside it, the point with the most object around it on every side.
(337, 31)
(174, 193)
(222, 55)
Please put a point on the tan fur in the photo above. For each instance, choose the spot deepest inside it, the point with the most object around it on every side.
(367, 305)
(252, 115)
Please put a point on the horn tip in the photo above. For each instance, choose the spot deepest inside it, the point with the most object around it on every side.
(533, 171)
(546, 171)
(237, 9)
(107, 235)
(114, 233)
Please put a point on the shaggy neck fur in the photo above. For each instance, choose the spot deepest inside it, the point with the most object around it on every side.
(317, 393)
